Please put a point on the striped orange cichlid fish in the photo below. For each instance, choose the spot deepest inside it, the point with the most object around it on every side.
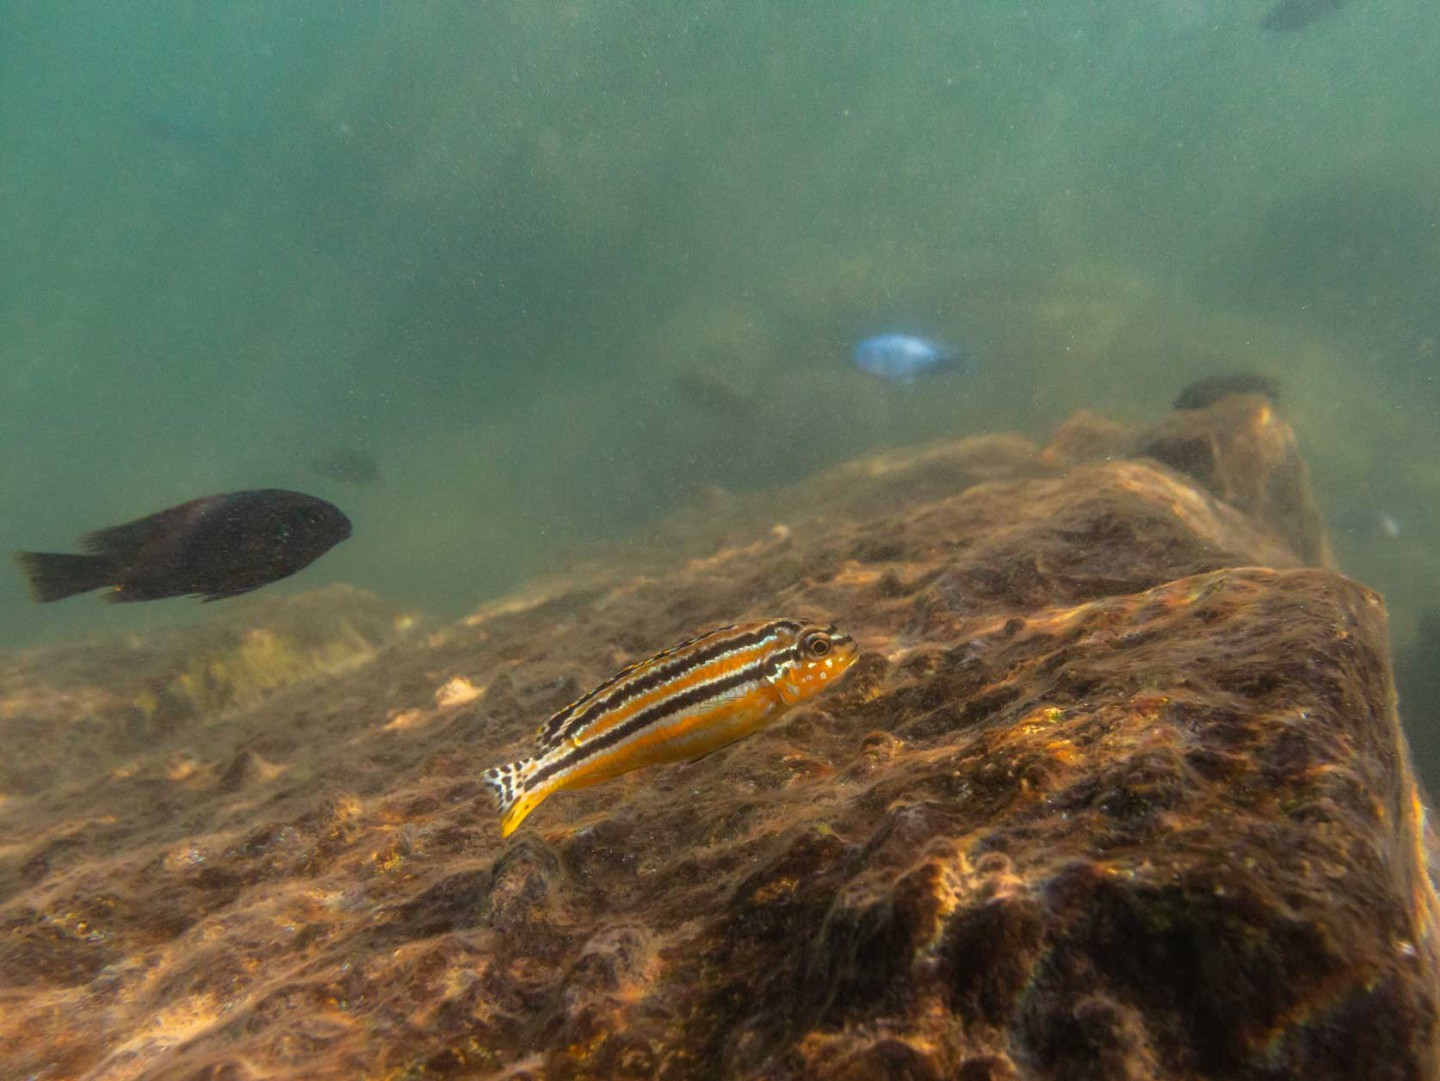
(678, 705)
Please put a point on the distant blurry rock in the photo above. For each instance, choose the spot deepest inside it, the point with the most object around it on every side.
(458, 691)
(1114, 790)
(243, 770)
(1085, 437)
(1240, 450)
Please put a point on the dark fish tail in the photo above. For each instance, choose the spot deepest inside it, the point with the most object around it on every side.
(54, 576)
(507, 782)
(959, 359)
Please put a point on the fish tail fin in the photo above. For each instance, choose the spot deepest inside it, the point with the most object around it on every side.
(513, 796)
(961, 360)
(53, 576)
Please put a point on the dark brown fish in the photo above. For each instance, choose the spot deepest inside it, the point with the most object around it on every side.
(714, 396)
(1297, 14)
(215, 547)
(1206, 392)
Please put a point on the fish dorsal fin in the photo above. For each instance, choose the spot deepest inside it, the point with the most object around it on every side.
(564, 722)
(123, 543)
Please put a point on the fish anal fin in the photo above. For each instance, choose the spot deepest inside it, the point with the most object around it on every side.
(520, 810)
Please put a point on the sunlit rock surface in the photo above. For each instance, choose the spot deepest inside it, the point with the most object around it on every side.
(1116, 791)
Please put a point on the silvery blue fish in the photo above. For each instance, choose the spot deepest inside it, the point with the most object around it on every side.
(903, 358)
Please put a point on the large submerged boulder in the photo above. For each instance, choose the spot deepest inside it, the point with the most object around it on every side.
(1117, 790)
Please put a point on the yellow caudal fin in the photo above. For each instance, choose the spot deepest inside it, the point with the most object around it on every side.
(514, 799)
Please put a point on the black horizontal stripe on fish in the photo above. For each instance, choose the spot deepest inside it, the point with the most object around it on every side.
(616, 691)
(657, 713)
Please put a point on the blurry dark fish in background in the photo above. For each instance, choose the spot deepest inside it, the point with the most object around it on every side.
(904, 358)
(177, 127)
(1297, 14)
(215, 547)
(712, 395)
(1206, 392)
(347, 464)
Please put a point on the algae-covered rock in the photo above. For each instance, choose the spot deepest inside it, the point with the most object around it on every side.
(70, 709)
(1116, 790)
(1239, 449)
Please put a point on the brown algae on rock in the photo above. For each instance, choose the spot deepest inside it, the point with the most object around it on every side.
(1115, 788)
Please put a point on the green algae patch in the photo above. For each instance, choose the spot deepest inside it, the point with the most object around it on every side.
(262, 661)
(86, 706)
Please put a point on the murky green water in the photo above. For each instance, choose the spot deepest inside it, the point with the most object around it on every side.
(562, 267)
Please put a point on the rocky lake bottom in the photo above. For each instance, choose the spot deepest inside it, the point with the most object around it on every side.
(1117, 789)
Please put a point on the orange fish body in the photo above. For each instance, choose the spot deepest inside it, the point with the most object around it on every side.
(676, 706)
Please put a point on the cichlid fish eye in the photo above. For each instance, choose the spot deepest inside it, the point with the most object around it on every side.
(817, 644)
